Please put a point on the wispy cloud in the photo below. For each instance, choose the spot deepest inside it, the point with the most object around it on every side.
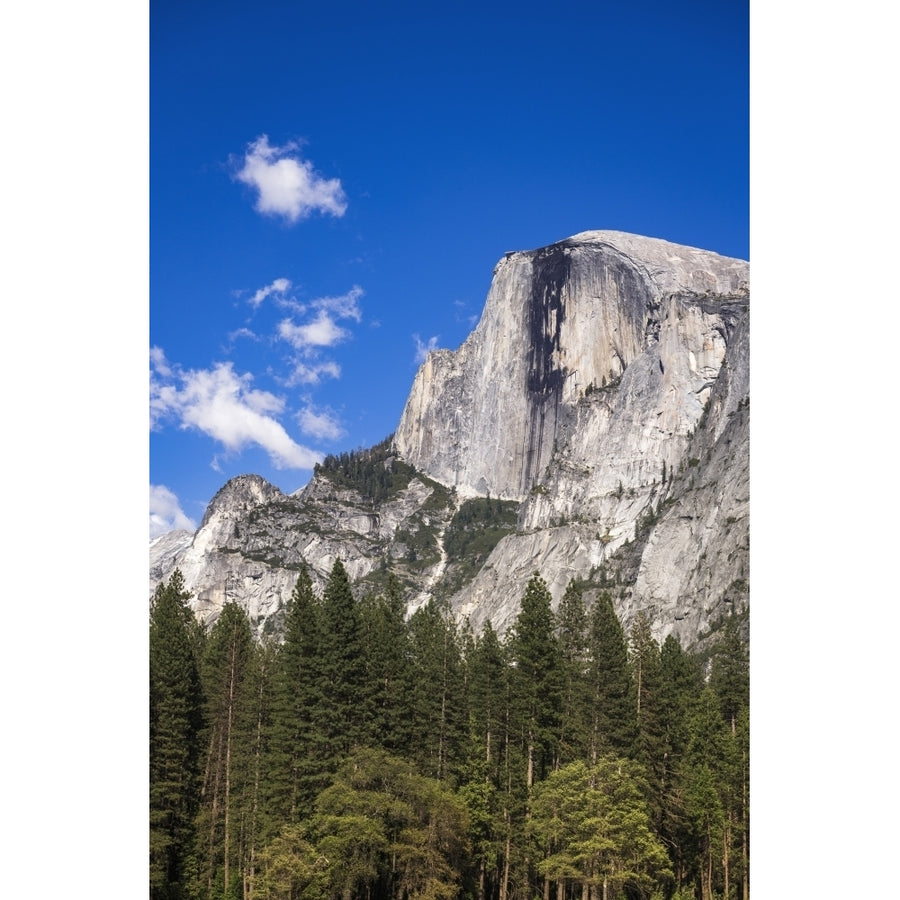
(344, 307)
(223, 405)
(166, 513)
(322, 331)
(320, 424)
(241, 333)
(287, 185)
(424, 348)
(278, 287)
(305, 373)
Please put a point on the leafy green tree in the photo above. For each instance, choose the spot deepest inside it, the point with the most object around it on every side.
(381, 824)
(175, 723)
(290, 867)
(594, 829)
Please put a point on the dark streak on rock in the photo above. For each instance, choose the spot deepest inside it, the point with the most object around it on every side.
(550, 269)
(549, 274)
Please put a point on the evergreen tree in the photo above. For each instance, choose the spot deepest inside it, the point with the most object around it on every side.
(230, 713)
(483, 785)
(650, 748)
(341, 712)
(575, 725)
(537, 688)
(730, 672)
(294, 755)
(436, 694)
(175, 722)
(487, 678)
(538, 678)
(706, 767)
(387, 665)
(681, 685)
(612, 719)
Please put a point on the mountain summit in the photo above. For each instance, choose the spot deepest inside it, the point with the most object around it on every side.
(594, 426)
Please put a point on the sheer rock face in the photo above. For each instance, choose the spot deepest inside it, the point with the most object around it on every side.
(561, 322)
(607, 379)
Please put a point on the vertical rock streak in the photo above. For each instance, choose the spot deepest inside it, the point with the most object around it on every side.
(550, 270)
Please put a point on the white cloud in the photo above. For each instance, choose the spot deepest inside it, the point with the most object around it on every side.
(224, 406)
(287, 185)
(344, 307)
(423, 349)
(322, 331)
(166, 513)
(279, 286)
(323, 425)
(312, 374)
(158, 361)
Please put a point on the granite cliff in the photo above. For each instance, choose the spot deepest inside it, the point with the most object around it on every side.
(602, 403)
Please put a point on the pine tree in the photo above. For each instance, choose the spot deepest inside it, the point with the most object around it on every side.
(175, 723)
(341, 712)
(612, 715)
(730, 672)
(537, 688)
(681, 686)
(487, 677)
(706, 768)
(387, 663)
(538, 678)
(650, 745)
(439, 717)
(483, 787)
(573, 645)
(230, 705)
(294, 766)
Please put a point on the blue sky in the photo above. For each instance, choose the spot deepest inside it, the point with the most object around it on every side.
(332, 184)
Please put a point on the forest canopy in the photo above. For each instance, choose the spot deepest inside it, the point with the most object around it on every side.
(369, 755)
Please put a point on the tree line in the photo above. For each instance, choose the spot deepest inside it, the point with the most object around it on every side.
(367, 756)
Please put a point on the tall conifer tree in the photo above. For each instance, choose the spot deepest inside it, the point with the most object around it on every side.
(175, 722)
(230, 703)
(341, 712)
(573, 645)
(294, 753)
(612, 715)
(387, 663)
(436, 694)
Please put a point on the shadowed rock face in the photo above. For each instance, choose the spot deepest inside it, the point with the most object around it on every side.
(560, 323)
(607, 379)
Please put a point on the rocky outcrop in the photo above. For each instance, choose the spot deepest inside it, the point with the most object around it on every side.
(605, 391)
